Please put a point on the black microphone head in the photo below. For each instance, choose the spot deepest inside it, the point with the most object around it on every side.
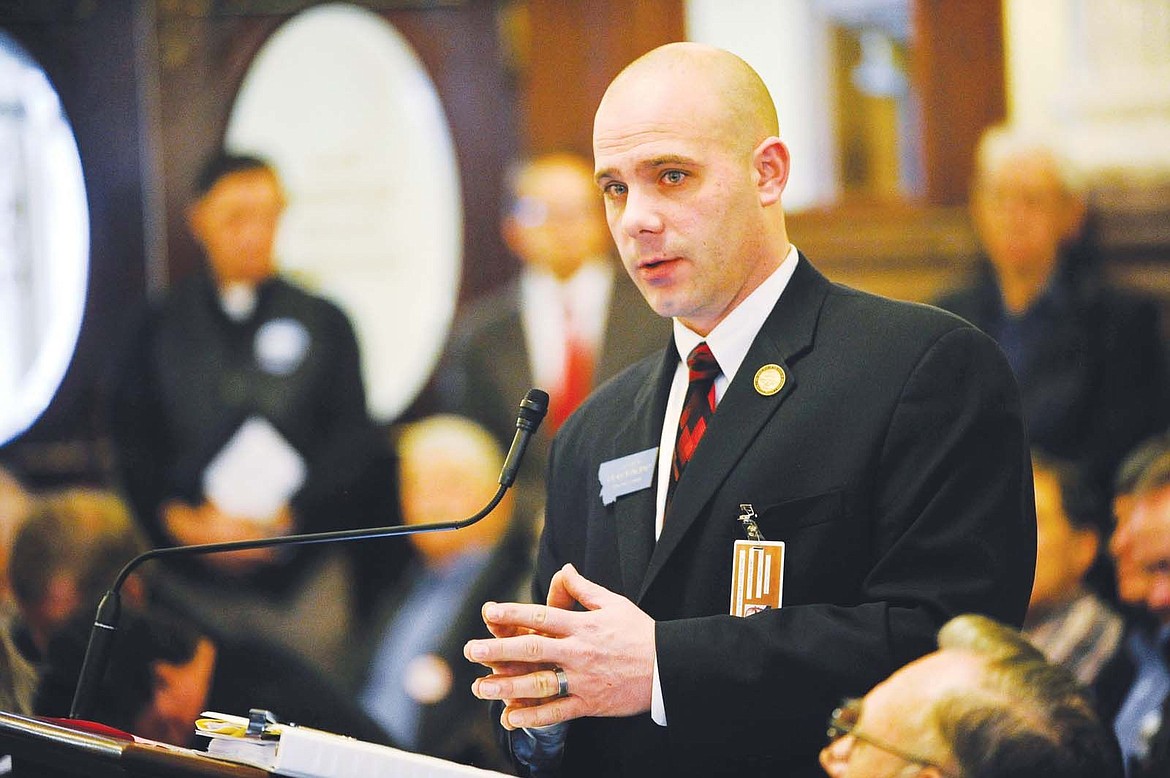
(532, 410)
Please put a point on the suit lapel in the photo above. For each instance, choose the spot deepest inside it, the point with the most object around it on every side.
(742, 413)
(634, 513)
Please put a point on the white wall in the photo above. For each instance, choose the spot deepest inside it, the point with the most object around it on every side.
(1097, 73)
(786, 42)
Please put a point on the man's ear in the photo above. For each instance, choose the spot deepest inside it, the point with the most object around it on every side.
(771, 162)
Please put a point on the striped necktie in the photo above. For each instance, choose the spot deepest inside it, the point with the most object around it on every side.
(698, 408)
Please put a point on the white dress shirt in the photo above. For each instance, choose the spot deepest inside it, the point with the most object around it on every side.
(729, 342)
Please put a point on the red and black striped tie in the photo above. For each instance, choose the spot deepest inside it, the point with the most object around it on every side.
(698, 407)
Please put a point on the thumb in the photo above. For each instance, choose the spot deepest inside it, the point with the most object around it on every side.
(571, 585)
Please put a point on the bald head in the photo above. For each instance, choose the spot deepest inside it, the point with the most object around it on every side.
(733, 99)
(691, 169)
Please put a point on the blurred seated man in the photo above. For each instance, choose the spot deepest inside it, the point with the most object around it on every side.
(985, 705)
(163, 673)
(416, 683)
(1142, 722)
(65, 557)
(1067, 619)
(239, 412)
(1089, 359)
(1131, 582)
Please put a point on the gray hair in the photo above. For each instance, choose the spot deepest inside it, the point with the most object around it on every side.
(1004, 142)
(1026, 717)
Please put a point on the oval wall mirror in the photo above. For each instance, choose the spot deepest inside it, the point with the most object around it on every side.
(342, 105)
(44, 240)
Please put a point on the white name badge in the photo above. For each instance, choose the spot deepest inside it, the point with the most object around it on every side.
(757, 576)
(627, 474)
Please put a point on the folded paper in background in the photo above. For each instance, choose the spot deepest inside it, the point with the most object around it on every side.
(255, 473)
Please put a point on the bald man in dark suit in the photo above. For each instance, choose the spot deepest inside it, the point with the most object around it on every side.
(881, 442)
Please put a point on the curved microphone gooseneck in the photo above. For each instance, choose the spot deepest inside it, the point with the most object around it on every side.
(532, 410)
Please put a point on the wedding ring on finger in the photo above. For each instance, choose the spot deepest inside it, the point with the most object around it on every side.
(562, 682)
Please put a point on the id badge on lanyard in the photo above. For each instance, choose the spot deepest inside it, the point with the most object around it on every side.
(757, 569)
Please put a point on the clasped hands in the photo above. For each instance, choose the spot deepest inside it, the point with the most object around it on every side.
(605, 654)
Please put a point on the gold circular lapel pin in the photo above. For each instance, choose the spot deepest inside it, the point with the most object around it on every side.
(769, 380)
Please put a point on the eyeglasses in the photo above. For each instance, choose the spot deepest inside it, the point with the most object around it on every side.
(843, 721)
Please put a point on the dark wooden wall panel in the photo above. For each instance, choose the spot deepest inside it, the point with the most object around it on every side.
(88, 52)
(574, 49)
(958, 71)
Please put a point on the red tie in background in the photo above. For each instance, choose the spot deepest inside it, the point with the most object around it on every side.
(576, 377)
(698, 407)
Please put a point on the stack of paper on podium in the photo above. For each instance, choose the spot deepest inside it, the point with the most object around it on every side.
(303, 752)
(311, 753)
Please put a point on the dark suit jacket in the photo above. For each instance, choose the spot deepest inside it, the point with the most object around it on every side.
(893, 464)
(486, 371)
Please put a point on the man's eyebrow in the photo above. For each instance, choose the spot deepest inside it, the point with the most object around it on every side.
(668, 159)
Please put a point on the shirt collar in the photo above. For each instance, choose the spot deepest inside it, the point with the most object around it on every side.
(592, 273)
(730, 340)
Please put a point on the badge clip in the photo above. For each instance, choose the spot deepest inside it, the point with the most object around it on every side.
(748, 519)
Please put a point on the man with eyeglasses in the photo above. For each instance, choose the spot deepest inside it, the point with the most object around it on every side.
(987, 704)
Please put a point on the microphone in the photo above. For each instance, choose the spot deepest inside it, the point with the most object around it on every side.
(532, 411)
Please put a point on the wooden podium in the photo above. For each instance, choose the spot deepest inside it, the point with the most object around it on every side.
(41, 749)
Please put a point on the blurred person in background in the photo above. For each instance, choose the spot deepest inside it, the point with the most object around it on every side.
(1067, 619)
(65, 557)
(569, 321)
(239, 412)
(1131, 581)
(416, 682)
(1089, 359)
(1142, 719)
